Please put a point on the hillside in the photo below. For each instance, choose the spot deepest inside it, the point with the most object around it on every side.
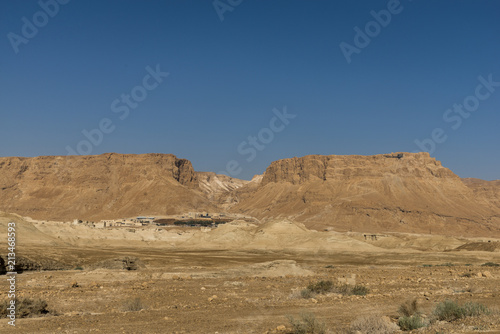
(99, 187)
(489, 190)
(400, 192)
(404, 192)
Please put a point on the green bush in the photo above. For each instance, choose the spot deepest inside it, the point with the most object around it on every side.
(450, 310)
(472, 309)
(307, 324)
(411, 322)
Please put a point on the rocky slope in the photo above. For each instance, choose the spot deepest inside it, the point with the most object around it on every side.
(393, 192)
(489, 190)
(216, 184)
(99, 187)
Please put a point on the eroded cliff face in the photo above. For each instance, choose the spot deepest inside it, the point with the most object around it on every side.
(339, 167)
(98, 187)
(407, 192)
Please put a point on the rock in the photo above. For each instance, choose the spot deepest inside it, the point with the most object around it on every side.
(281, 328)
(487, 274)
(74, 284)
(212, 298)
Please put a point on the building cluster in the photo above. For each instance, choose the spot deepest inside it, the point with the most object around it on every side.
(142, 221)
(127, 222)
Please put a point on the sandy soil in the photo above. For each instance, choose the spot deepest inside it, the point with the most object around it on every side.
(248, 288)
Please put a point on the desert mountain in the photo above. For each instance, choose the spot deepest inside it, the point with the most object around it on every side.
(407, 192)
(99, 187)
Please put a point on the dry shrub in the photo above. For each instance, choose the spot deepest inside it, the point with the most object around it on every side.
(409, 308)
(25, 308)
(348, 290)
(133, 305)
(320, 287)
(373, 324)
(307, 324)
(359, 290)
(306, 293)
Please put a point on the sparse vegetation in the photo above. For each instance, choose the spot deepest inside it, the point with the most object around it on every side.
(306, 293)
(373, 324)
(427, 265)
(410, 323)
(343, 289)
(447, 264)
(409, 308)
(307, 324)
(450, 310)
(360, 290)
(25, 308)
(133, 305)
(490, 264)
(410, 316)
(78, 268)
(472, 309)
(320, 287)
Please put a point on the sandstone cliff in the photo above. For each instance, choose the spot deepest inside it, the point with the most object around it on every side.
(99, 187)
(392, 192)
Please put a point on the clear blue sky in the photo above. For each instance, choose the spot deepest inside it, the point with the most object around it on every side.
(226, 77)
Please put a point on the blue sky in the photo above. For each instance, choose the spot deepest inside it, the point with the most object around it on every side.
(225, 78)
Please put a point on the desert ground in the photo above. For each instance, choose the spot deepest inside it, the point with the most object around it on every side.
(243, 278)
